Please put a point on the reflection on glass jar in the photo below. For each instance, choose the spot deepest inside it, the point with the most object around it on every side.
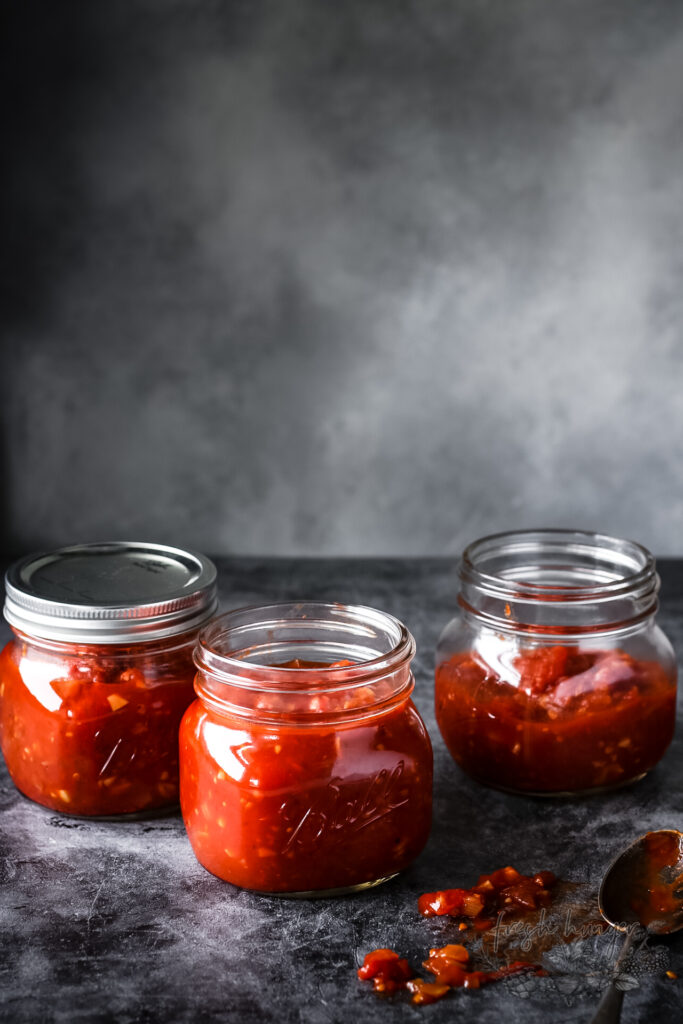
(99, 673)
(304, 766)
(555, 678)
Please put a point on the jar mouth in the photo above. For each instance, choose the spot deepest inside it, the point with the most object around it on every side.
(247, 647)
(557, 564)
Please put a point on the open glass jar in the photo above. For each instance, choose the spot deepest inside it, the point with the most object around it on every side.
(304, 766)
(99, 673)
(555, 678)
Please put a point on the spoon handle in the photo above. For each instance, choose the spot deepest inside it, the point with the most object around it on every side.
(609, 1007)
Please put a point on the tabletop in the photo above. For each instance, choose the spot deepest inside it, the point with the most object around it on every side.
(104, 922)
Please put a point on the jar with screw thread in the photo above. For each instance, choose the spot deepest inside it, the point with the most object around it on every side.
(555, 677)
(99, 673)
(304, 766)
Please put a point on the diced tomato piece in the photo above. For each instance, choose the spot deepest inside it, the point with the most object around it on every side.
(436, 904)
(541, 667)
(116, 701)
(472, 904)
(425, 992)
(375, 961)
(453, 951)
(503, 877)
(545, 879)
(67, 689)
(448, 964)
(386, 969)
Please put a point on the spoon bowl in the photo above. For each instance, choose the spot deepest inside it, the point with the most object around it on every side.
(644, 884)
(641, 892)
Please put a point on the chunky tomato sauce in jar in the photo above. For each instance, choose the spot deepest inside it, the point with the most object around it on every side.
(555, 678)
(304, 765)
(99, 673)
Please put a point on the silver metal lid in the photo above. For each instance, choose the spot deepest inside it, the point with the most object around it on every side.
(110, 593)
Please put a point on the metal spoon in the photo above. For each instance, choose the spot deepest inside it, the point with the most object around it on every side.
(641, 889)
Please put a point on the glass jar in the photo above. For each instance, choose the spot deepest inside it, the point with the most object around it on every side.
(304, 766)
(555, 678)
(99, 673)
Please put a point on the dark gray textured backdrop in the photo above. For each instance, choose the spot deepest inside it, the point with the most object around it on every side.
(358, 277)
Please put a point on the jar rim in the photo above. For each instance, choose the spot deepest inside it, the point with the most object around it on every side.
(249, 674)
(628, 567)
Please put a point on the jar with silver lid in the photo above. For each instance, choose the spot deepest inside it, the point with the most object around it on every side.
(99, 673)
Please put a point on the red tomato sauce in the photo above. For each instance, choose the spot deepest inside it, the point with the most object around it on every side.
(573, 720)
(95, 733)
(659, 886)
(449, 964)
(387, 971)
(504, 891)
(288, 807)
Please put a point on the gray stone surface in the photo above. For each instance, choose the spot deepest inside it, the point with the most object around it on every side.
(116, 923)
(356, 278)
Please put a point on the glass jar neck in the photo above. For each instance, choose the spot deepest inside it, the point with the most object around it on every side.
(84, 649)
(558, 581)
(309, 664)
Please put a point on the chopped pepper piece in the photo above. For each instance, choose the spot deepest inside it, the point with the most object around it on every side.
(503, 890)
(426, 992)
(387, 971)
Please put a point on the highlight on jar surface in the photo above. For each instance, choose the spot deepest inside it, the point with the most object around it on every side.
(99, 672)
(555, 678)
(304, 766)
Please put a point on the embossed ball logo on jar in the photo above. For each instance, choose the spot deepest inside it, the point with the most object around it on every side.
(305, 767)
(334, 810)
